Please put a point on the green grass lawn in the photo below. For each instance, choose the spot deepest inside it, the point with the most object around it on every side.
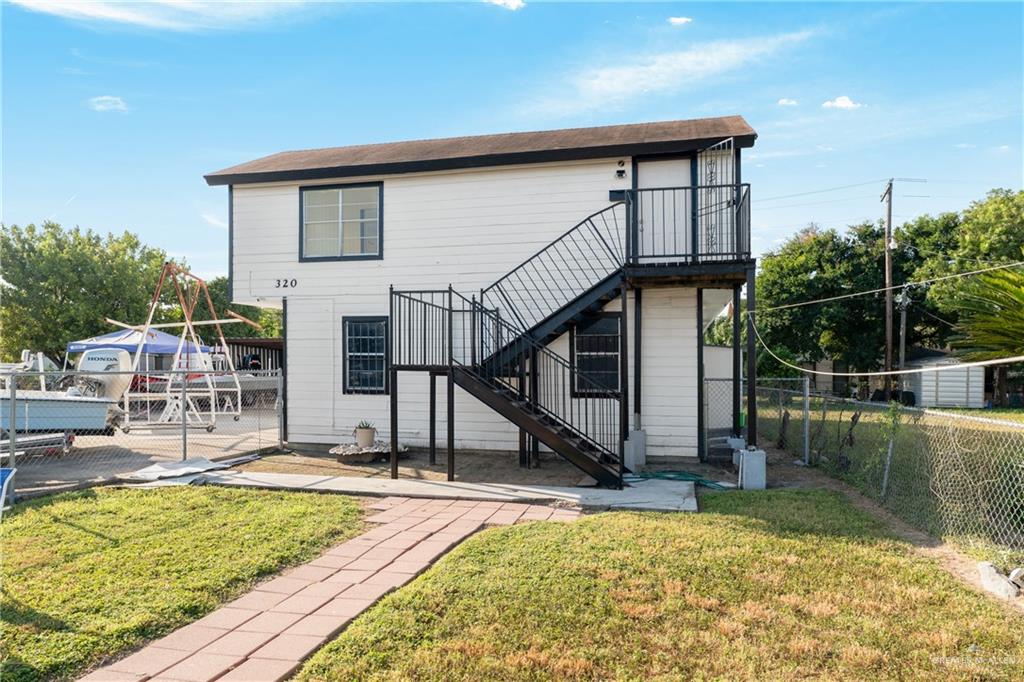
(957, 479)
(771, 585)
(1011, 414)
(92, 574)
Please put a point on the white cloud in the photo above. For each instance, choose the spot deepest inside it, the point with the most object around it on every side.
(1002, 149)
(601, 87)
(841, 102)
(107, 103)
(680, 21)
(965, 145)
(825, 148)
(512, 5)
(173, 15)
(215, 221)
(787, 102)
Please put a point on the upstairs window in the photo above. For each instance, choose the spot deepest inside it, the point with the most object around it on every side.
(595, 355)
(341, 222)
(365, 353)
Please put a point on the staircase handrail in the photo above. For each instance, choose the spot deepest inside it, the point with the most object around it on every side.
(560, 396)
(555, 271)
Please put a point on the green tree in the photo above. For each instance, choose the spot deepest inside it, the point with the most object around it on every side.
(818, 264)
(991, 327)
(924, 247)
(990, 232)
(59, 285)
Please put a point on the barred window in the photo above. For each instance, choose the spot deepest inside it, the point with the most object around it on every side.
(341, 222)
(365, 354)
(595, 355)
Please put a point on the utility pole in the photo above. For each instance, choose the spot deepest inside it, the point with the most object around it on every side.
(903, 303)
(887, 198)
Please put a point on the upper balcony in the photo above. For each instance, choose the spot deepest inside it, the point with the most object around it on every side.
(686, 230)
(697, 235)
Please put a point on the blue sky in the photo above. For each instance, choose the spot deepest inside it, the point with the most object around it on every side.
(112, 112)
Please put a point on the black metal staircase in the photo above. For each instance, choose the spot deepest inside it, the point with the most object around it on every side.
(540, 391)
(496, 347)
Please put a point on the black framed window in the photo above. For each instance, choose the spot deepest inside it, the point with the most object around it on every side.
(341, 222)
(594, 349)
(365, 354)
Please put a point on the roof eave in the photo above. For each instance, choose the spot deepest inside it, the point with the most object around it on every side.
(481, 161)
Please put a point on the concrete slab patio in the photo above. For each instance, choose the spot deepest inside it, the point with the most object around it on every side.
(648, 495)
(265, 635)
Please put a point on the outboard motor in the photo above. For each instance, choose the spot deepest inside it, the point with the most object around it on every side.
(109, 372)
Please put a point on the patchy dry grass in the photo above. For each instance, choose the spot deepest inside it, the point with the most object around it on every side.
(769, 585)
(88, 575)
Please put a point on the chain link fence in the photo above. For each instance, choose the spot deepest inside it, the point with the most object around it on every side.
(73, 429)
(956, 476)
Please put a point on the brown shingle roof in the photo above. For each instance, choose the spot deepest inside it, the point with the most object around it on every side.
(488, 150)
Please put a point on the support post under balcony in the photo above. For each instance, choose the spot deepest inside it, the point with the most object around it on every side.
(433, 419)
(751, 362)
(624, 379)
(701, 454)
(737, 364)
(524, 455)
(394, 422)
(451, 424)
(637, 358)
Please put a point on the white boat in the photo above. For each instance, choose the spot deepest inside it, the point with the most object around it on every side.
(56, 411)
(248, 382)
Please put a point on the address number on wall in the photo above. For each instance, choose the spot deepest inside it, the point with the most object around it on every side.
(286, 283)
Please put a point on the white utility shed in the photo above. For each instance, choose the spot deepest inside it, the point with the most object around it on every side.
(953, 387)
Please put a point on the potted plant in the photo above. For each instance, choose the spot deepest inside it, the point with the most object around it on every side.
(365, 434)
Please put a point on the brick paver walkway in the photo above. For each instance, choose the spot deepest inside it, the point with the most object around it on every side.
(265, 635)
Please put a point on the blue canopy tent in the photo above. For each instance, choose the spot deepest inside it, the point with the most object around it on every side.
(156, 343)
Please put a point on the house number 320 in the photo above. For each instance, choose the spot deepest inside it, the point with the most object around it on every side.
(285, 283)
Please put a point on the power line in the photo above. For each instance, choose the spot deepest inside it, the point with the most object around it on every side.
(822, 191)
(895, 286)
(895, 372)
(939, 254)
(815, 203)
(947, 322)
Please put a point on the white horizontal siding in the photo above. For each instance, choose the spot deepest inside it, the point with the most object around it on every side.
(319, 412)
(669, 366)
(465, 227)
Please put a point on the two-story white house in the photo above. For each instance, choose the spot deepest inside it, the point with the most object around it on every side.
(545, 289)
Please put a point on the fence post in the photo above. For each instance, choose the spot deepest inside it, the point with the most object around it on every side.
(892, 418)
(807, 421)
(888, 463)
(279, 405)
(184, 422)
(12, 434)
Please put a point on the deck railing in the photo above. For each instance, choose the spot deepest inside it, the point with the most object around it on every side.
(649, 227)
(545, 382)
(689, 225)
(440, 330)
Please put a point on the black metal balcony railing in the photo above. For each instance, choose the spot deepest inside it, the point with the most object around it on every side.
(650, 227)
(689, 225)
(437, 329)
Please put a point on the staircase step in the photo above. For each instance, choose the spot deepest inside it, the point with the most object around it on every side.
(575, 448)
